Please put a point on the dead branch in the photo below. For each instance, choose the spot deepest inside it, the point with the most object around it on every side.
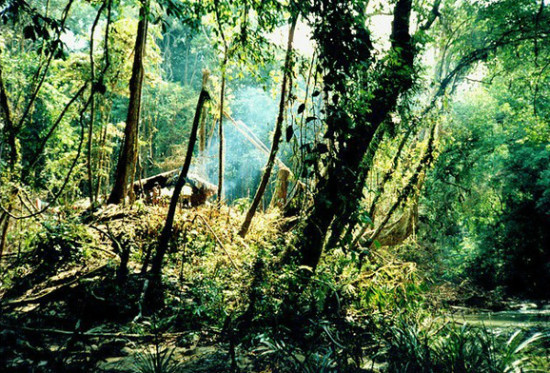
(94, 335)
(218, 240)
(51, 293)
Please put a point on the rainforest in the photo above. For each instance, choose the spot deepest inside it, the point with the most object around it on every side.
(275, 186)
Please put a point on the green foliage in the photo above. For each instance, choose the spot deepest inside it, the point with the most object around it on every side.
(157, 360)
(515, 252)
(484, 214)
(287, 358)
(60, 242)
(459, 349)
(487, 206)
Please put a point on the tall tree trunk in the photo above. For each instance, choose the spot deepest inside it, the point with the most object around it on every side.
(92, 109)
(221, 154)
(10, 132)
(126, 166)
(276, 135)
(167, 230)
(102, 140)
(222, 96)
(341, 188)
(10, 138)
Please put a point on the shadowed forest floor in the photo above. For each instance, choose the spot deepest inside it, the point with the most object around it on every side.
(81, 314)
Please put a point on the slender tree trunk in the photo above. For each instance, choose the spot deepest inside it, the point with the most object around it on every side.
(167, 230)
(202, 144)
(276, 135)
(10, 132)
(126, 166)
(4, 225)
(222, 96)
(221, 154)
(409, 189)
(10, 138)
(92, 109)
(90, 172)
(202, 133)
(381, 188)
(102, 141)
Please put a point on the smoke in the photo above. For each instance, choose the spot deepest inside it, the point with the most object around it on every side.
(251, 108)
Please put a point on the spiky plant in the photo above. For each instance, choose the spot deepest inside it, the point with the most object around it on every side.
(157, 360)
(464, 349)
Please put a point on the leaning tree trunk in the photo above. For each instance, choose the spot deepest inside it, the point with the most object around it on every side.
(341, 188)
(4, 226)
(276, 135)
(202, 144)
(167, 230)
(408, 190)
(126, 166)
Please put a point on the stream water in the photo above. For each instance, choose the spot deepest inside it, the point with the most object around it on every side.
(524, 315)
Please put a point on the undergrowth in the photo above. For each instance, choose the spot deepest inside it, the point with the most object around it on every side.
(378, 317)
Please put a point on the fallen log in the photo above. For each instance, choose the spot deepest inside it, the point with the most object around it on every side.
(50, 293)
(95, 335)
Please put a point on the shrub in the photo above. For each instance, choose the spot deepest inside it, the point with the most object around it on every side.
(60, 242)
(453, 349)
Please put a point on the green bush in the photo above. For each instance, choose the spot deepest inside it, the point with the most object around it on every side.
(60, 242)
(453, 349)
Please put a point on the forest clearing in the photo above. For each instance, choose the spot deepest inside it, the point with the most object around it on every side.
(275, 186)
